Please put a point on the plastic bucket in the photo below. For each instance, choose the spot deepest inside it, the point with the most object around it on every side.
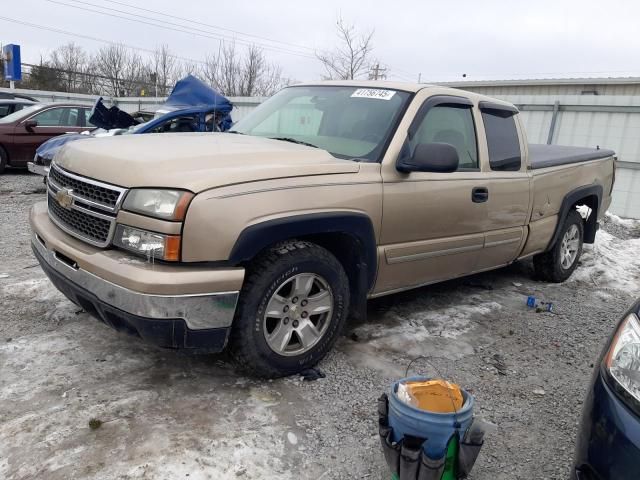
(437, 428)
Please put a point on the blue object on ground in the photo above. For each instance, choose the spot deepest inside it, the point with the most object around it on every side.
(531, 301)
(437, 428)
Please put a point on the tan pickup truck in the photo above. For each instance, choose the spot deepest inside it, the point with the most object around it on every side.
(266, 238)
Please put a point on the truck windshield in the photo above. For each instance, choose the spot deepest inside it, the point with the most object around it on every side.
(349, 122)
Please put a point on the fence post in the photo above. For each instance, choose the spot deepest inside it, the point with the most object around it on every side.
(554, 117)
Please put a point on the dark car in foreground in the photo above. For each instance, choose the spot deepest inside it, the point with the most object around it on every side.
(22, 132)
(608, 444)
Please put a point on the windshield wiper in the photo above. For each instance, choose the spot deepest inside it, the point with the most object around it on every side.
(293, 140)
(235, 131)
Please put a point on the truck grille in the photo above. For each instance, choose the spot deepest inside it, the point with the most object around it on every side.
(83, 224)
(82, 207)
(90, 191)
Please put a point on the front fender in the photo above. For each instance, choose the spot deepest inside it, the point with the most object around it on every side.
(255, 238)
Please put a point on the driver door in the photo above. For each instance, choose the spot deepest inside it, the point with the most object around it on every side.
(432, 227)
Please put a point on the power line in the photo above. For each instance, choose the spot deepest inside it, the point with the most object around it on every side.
(95, 39)
(237, 32)
(191, 31)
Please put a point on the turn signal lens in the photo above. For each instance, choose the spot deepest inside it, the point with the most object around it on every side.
(150, 244)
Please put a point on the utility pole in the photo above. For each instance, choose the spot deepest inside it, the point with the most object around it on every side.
(377, 73)
(419, 77)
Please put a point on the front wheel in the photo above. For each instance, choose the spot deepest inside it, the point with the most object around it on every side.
(557, 264)
(291, 310)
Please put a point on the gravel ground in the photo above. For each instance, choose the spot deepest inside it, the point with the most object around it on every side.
(171, 415)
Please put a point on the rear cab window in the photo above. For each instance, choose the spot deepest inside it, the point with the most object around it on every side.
(503, 141)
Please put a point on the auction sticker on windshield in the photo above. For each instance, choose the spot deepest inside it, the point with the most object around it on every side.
(373, 93)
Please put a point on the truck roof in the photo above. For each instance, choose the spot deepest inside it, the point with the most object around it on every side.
(405, 86)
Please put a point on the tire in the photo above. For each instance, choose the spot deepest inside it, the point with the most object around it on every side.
(272, 345)
(4, 158)
(557, 264)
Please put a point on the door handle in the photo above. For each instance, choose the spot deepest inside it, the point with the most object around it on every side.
(479, 194)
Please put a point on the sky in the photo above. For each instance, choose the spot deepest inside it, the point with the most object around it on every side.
(433, 41)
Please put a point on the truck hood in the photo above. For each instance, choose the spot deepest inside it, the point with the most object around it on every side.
(195, 161)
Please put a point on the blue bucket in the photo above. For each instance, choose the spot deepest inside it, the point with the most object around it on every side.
(438, 428)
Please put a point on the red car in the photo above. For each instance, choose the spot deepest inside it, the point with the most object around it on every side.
(23, 131)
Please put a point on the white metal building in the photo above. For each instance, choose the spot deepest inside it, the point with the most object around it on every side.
(581, 112)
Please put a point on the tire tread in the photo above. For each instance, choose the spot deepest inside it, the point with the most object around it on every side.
(242, 348)
(547, 266)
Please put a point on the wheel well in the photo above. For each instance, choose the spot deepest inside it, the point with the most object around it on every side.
(349, 251)
(590, 217)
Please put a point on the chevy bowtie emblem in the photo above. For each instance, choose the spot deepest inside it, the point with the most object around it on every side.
(64, 198)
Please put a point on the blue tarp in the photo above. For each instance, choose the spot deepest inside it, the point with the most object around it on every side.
(192, 92)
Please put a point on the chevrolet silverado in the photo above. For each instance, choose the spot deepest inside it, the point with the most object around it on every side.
(265, 239)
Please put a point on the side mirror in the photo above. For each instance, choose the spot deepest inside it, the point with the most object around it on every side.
(430, 157)
(30, 124)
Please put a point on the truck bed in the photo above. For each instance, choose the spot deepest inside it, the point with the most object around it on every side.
(542, 156)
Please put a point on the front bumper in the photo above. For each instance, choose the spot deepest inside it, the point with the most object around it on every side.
(171, 306)
(38, 169)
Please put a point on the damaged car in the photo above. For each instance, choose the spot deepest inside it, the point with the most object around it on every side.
(192, 106)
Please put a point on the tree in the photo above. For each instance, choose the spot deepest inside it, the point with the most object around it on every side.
(163, 70)
(351, 58)
(123, 72)
(245, 74)
(71, 61)
(42, 77)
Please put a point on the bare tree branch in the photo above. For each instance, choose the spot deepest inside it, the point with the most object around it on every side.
(248, 73)
(351, 58)
(71, 60)
(163, 69)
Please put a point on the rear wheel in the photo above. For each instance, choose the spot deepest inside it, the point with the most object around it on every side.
(557, 264)
(291, 310)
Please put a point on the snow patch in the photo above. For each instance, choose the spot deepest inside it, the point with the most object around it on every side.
(41, 292)
(423, 331)
(161, 427)
(611, 262)
(623, 222)
(37, 289)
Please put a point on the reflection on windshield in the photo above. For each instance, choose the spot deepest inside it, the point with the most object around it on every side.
(25, 112)
(348, 122)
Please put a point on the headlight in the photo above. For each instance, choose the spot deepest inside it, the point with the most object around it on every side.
(622, 361)
(164, 204)
(150, 244)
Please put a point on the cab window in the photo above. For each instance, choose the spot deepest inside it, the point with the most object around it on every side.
(453, 125)
(502, 140)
